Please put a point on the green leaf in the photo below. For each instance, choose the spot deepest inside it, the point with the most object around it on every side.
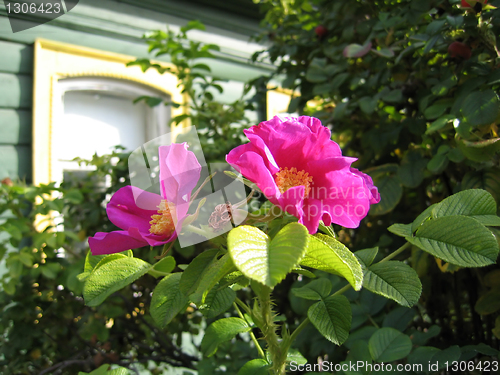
(265, 261)
(439, 123)
(403, 230)
(411, 170)
(384, 52)
(332, 318)
(112, 277)
(480, 108)
(459, 240)
(255, 367)
(295, 356)
(449, 355)
(220, 331)
(438, 163)
(443, 87)
(389, 345)
(357, 50)
(217, 301)
(489, 303)
(423, 356)
(167, 300)
(394, 280)
(316, 72)
(472, 202)
(191, 25)
(191, 277)
(215, 271)
(163, 267)
(390, 191)
(368, 104)
(367, 256)
(50, 270)
(327, 254)
(393, 96)
(103, 370)
(399, 318)
(436, 110)
(314, 290)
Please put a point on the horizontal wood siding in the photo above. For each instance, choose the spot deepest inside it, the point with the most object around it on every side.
(16, 58)
(15, 162)
(16, 97)
(16, 91)
(15, 127)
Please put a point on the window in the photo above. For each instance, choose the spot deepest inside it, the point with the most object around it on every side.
(83, 104)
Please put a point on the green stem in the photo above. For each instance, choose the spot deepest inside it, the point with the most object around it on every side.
(299, 329)
(397, 252)
(243, 306)
(254, 339)
(278, 354)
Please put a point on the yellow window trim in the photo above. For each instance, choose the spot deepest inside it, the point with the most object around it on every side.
(55, 60)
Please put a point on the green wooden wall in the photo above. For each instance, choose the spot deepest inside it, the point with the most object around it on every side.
(115, 26)
(16, 92)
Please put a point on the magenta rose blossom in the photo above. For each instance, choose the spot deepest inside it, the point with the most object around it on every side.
(300, 169)
(147, 218)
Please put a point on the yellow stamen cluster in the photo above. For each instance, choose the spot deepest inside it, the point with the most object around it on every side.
(288, 178)
(163, 224)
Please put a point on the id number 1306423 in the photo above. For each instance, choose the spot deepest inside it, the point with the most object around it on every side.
(462, 366)
(33, 8)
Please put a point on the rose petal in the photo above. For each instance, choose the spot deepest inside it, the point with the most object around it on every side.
(124, 209)
(113, 242)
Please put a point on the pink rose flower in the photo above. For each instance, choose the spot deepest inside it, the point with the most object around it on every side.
(300, 169)
(147, 218)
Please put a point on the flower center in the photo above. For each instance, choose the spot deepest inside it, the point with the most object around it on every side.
(163, 224)
(288, 178)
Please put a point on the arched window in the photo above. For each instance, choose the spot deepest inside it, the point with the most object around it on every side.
(83, 103)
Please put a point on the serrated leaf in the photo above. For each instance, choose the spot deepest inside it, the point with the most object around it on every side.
(215, 271)
(255, 367)
(332, 318)
(327, 254)
(167, 300)
(394, 280)
(220, 331)
(389, 345)
(473, 202)
(111, 277)
(458, 240)
(217, 301)
(314, 290)
(191, 276)
(263, 260)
